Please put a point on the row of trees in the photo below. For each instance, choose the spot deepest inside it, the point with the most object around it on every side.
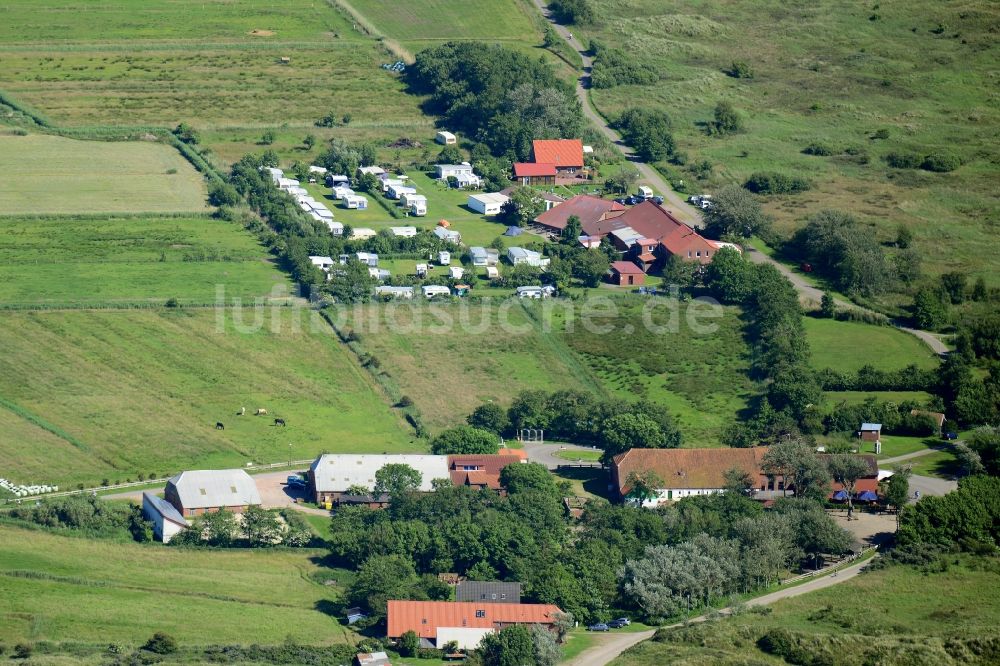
(870, 378)
(89, 515)
(576, 416)
(497, 96)
(255, 528)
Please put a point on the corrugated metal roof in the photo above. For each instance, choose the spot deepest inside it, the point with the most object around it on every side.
(163, 507)
(200, 489)
(337, 472)
(424, 617)
(869, 427)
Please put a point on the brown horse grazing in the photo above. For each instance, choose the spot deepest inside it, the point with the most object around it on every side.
(279, 422)
(219, 426)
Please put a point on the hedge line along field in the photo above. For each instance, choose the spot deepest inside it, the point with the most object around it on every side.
(920, 74)
(846, 346)
(92, 592)
(900, 612)
(53, 175)
(141, 391)
(81, 261)
(448, 368)
(700, 378)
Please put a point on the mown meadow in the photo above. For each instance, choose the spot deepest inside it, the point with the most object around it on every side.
(53, 175)
(105, 260)
(92, 592)
(140, 391)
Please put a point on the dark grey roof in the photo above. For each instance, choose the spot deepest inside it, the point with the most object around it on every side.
(492, 591)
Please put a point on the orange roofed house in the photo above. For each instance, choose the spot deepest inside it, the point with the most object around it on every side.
(482, 470)
(438, 622)
(565, 154)
(682, 473)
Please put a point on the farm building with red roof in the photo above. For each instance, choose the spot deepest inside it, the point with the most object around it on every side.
(535, 173)
(626, 274)
(590, 211)
(438, 622)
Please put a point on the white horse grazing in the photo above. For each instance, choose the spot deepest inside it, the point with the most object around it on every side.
(261, 411)
(243, 411)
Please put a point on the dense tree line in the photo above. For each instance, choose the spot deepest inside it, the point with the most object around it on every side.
(968, 517)
(895, 418)
(648, 131)
(255, 528)
(90, 515)
(495, 95)
(869, 378)
(575, 416)
(573, 11)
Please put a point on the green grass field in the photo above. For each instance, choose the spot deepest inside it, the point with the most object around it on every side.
(899, 611)
(700, 378)
(439, 20)
(52, 175)
(448, 368)
(833, 73)
(141, 391)
(95, 592)
(846, 346)
(94, 260)
(216, 66)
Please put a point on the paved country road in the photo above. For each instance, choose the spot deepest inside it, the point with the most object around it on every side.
(609, 650)
(677, 206)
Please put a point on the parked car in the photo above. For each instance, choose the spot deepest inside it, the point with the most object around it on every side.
(621, 200)
(620, 622)
(658, 200)
(599, 627)
(951, 435)
(295, 481)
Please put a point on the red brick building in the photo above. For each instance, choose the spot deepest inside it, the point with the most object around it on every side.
(626, 274)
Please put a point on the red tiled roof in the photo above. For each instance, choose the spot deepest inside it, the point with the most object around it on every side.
(686, 240)
(560, 152)
(589, 209)
(424, 617)
(625, 268)
(484, 462)
(686, 468)
(521, 454)
(522, 169)
(479, 479)
(650, 220)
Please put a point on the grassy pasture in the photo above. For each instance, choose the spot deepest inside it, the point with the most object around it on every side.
(141, 391)
(900, 611)
(440, 20)
(700, 378)
(448, 368)
(833, 73)
(95, 592)
(50, 174)
(846, 346)
(87, 261)
(74, 21)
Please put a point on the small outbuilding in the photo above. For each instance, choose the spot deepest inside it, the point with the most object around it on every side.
(167, 520)
(435, 290)
(626, 274)
(487, 203)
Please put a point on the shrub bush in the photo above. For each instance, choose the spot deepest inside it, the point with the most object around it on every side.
(772, 182)
(161, 643)
(902, 160)
(940, 163)
(818, 148)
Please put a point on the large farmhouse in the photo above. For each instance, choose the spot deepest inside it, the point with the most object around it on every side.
(589, 210)
(680, 473)
(565, 154)
(333, 475)
(439, 622)
(204, 491)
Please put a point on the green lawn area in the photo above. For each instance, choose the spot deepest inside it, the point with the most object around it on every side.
(96, 260)
(701, 379)
(899, 611)
(941, 464)
(53, 175)
(847, 346)
(433, 20)
(828, 72)
(449, 360)
(575, 455)
(95, 592)
(141, 391)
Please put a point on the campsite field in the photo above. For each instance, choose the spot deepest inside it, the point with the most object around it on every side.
(93, 592)
(837, 74)
(846, 346)
(899, 611)
(141, 391)
(700, 378)
(53, 175)
(448, 368)
(81, 261)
